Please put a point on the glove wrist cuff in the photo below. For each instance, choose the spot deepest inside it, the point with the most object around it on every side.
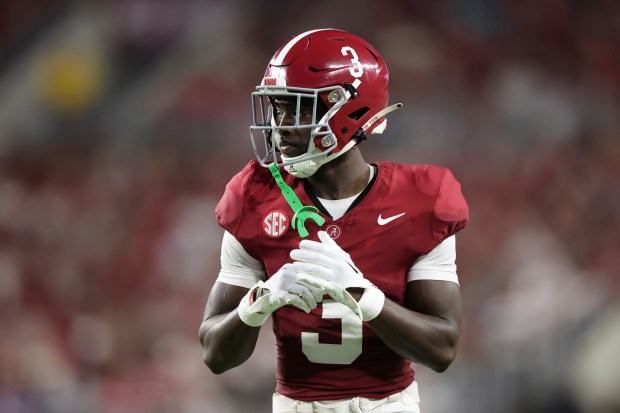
(253, 319)
(371, 303)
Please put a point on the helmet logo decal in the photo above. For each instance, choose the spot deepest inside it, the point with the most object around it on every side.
(357, 70)
(333, 231)
(274, 81)
(275, 224)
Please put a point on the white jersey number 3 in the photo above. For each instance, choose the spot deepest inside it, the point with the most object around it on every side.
(351, 345)
(357, 70)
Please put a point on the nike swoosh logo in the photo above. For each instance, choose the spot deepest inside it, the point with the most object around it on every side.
(384, 221)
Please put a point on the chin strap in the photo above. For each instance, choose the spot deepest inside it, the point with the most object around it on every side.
(378, 116)
(302, 212)
(362, 132)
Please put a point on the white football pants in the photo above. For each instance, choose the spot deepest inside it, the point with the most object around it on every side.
(407, 401)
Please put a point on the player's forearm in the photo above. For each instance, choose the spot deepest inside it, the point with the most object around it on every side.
(424, 339)
(227, 342)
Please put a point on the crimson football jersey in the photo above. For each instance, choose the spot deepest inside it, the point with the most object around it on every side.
(330, 353)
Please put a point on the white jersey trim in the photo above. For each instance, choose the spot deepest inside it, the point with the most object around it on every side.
(439, 264)
(238, 267)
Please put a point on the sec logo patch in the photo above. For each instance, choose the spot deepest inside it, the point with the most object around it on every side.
(275, 224)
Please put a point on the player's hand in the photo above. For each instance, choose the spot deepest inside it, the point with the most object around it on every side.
(334, 290)
(335, 272)
(288, 284)
(286, 287)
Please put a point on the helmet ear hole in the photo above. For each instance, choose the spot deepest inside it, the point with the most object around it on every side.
(357, 115)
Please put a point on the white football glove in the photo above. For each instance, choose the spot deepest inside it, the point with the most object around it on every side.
(286, 286)
(334, 272)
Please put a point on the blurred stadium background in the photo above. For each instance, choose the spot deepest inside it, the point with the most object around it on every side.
(122, 120)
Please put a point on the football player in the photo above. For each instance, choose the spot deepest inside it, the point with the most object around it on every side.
(354, 261)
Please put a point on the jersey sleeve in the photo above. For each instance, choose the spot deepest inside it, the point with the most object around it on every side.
(237, 266)
(235, 211)
(439, 264)
(228, 211)
(451, 213)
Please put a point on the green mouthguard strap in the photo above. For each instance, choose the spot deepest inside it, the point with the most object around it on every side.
(302, 212)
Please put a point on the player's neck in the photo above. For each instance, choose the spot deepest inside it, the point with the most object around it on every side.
(341, 178)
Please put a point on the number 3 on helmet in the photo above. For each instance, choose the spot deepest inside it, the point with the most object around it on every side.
(344, 79)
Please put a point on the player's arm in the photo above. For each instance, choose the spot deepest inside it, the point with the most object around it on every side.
(426, 329)
(429, 324)
(240, 302)
(226, 340)
(231, 322)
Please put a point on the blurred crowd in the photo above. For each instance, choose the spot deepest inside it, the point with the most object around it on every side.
(121, 122)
